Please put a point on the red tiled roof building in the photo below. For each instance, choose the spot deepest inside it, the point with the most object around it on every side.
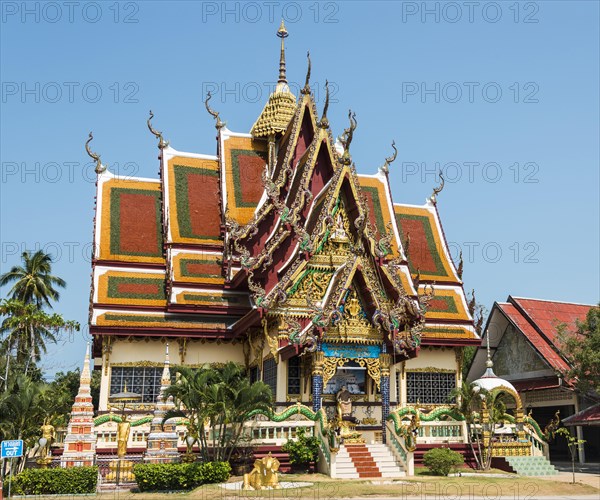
(523, 336)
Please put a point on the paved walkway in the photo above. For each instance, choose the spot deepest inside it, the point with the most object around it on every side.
(586, 473)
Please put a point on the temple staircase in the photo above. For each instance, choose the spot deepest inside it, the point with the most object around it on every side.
(525, 465)
(358, 461)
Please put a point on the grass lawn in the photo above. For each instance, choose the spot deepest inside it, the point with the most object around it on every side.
(421, 485)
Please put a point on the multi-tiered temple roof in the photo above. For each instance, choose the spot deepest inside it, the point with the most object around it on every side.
(278, 222)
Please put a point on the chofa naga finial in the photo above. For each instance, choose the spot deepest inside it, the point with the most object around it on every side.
(437, 190)
(94, 156)
(306, 88)
(161, 142)
(324, 122)
(347, 137)
(389, 160)
(212, 112)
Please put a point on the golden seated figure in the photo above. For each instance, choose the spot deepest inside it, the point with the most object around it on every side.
(345, 421)
(264, 475)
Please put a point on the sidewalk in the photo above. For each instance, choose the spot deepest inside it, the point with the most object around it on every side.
(587, 473)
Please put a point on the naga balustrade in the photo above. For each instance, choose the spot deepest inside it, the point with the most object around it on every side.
(397, 444)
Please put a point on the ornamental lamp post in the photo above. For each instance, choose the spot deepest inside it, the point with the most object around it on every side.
(190, 439)
(43, 460)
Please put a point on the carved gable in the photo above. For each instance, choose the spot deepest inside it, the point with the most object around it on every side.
(515, 355)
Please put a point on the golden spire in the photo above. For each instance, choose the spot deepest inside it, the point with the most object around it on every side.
(281, 105)
(282, 33)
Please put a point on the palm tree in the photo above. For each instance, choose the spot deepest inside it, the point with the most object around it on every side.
(237, 398)
(22, 412)
(219, 399)
(189, 394)
(26, 329)
(468, 399)
(33, 281)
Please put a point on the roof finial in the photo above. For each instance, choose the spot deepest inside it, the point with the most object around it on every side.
(161, 142)
(215, 114)
(386, 166)
(282, 33)
(94, 156)
(349, 134)
(324, 123)
(489, 363)
(438, 189)
(166, 375)
(306, 88)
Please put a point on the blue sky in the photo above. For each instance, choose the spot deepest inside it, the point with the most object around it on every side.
(503, 96)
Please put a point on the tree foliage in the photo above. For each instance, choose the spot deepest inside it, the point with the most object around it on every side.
(218, 399)
(303, 450)
(26, 329)
(33, 281)
(471, 400)
(582, 349)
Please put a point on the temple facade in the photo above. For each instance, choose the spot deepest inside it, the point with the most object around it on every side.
(275, 253)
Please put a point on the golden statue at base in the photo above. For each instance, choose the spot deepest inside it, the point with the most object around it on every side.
(121, 471)
(49, 435)
(345, 422)
(264, 475)
(122, 436)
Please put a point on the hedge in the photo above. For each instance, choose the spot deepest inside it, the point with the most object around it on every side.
(58, 481)
(163, 477)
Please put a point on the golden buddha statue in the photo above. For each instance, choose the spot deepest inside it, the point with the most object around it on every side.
(122, 436)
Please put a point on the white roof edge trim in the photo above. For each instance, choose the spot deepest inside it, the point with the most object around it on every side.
(174, 152)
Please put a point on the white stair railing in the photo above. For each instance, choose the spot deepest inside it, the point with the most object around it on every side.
(397, 444)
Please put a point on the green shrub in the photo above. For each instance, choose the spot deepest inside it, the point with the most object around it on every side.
(442, 461)
(215, 472)
(162, 477)
(304, 450)
(56, 481)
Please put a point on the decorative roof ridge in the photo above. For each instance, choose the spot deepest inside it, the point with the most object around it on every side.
(552, 301)
(389, 268)
(425, 206)
(287, 214)
(103, 268)
(176, 250)
(506, 313)
(106, 176)
(262, 210)
(535, 326)
(384, 179)
(445, 248)
(226, 134)
(172, 152)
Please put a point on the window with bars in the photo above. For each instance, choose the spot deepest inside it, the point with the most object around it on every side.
(429, 387)
(254, 374)
(293, 376)
(141, 380)
(270, 375)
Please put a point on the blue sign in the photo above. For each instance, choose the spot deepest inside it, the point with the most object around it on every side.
(12, 449)
(351, 351)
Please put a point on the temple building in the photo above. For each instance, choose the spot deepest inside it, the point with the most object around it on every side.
(274, 252)
(526, 350)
